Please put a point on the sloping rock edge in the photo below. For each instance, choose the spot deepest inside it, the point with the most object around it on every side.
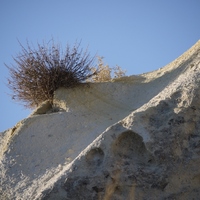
(155, 148)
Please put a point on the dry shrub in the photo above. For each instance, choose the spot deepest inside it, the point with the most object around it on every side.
(118, 72)
(37, 73)
(106, 73)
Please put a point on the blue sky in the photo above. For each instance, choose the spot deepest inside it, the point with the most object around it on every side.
(138, 35)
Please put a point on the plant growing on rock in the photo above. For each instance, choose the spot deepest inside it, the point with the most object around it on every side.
(38, 72)
(105, 73)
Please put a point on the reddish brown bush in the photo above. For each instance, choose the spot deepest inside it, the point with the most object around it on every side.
(37, 73)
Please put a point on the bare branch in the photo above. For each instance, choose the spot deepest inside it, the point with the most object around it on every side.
(37, 73)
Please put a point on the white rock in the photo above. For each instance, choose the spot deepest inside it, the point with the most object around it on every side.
(133, 138)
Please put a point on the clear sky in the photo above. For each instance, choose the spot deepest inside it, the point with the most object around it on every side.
(138, 35)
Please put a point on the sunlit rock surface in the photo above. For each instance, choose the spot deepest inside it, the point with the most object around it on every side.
(133, 138)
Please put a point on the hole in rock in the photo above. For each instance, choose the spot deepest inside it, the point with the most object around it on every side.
(129, 145)
(95, 157)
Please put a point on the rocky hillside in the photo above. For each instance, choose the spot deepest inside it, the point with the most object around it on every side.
(133, 138)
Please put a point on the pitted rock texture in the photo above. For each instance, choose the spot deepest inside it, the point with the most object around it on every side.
(134, 138)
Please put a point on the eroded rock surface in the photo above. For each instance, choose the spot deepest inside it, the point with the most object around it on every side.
(134, 138)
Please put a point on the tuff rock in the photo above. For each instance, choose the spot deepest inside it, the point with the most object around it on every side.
(132, 138)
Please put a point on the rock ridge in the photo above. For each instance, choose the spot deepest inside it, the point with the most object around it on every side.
(133, 138)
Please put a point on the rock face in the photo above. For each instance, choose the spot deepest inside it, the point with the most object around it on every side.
(133, 138)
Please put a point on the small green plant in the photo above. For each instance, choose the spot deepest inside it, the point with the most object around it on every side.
(37, 73)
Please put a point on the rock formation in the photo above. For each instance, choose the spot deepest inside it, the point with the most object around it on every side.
(132, 138)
